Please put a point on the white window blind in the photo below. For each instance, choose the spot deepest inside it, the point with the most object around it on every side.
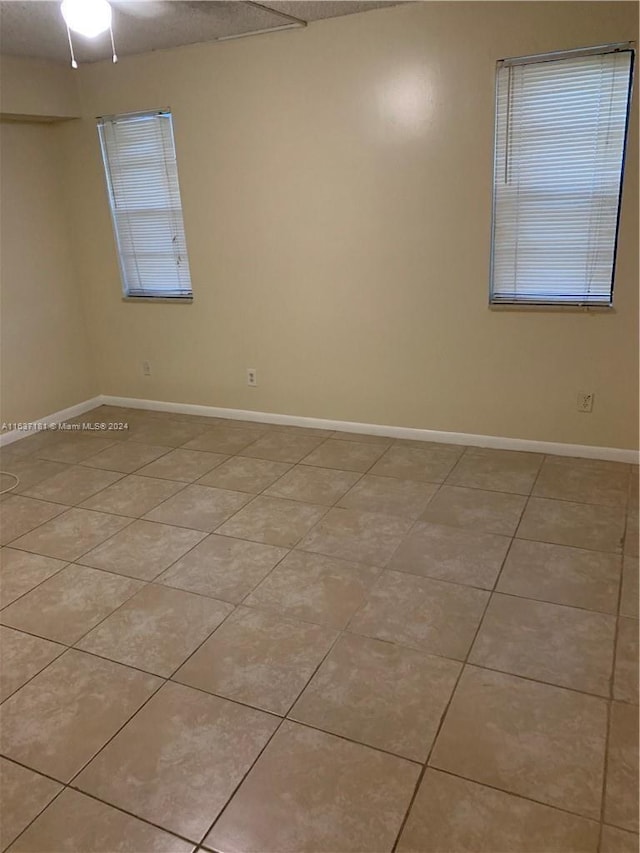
(561, 123)
(139, 157)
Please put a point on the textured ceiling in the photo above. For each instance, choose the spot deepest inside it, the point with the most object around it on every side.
(35, 28)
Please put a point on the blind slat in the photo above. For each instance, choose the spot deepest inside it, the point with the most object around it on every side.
(559, 147)
(139, 157)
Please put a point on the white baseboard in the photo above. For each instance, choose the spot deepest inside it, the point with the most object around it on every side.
(587, 451)
(57, 417)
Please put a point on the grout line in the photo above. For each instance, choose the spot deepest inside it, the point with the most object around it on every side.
(484, 784)
(35, 586)
(42, 810)
(453, 693)
(605, 769)
(284, 718)
(68, 786)
(441, 722)
(287, 616)
(64, 649)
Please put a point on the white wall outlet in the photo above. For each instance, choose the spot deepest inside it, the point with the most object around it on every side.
(146, 368)
(252, 377)
(585, 401)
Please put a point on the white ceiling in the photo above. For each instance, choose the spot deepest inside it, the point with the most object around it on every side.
(35, 28)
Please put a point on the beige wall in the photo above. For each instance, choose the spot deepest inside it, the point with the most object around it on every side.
(336, 185)
(44, 356)
(37, 89)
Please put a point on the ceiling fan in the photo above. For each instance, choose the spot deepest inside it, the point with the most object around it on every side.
(92, 18)
(88, 18)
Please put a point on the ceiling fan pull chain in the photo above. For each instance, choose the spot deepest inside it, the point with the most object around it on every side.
(114, 57)
(74, 64)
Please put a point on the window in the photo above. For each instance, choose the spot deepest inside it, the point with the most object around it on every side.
(561, 124)
(142, 180)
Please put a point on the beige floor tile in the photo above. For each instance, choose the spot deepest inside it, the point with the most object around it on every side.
(389, 495)
(237, 423)
(32, 471)
(72, 447)
(273, 521)
(71, 534)
(259, 659)
(425, 462)
(63, 716)
(178, 761)
(7, 485)
(616, 840)
(127, 456)
(75, 822)
(290, 796)
(19, 515)
(313, 485)
(143, 550)
(562, 575)
(223, 439)
(23, 795)
(621, 792)
(69, 604)
(21, 657)
(172, 433)
(542, 742)
(199, 420)
(351, 534)
(345, 455)
(73, 486)
(380, 694)
(458, 816)
(625, 682)
(548, 642)
(28, 445)
(362, 437)
(632, 537)
(498, 470)
(283, 446)
(305, 431)
(16, 451)
(223, 568)
(133, 496)
(183, 465)
(157, 629)
(245, 475)
(491, 512)
(199, 507)
(429, 615)
(629, 593)
(21, 572)
(591, 481)
(449, 553)
(599, 528)
(315, 588)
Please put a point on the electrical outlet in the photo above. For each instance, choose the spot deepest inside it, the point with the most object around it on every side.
(585, 401)
(252, 377)
(146, 368)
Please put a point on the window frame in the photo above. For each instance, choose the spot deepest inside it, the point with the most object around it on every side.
(127, 296)
(577, 304)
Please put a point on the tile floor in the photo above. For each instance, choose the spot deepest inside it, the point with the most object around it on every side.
(242, 638)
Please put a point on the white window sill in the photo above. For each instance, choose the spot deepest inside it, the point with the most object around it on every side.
(167, 299)
(545, 307)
